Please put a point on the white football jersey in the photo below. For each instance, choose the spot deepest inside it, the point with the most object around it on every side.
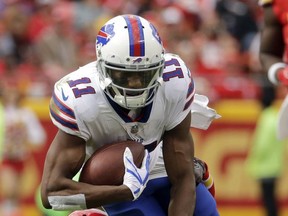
(80, 107)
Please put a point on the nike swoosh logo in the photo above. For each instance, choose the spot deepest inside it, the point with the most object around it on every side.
(65, 98)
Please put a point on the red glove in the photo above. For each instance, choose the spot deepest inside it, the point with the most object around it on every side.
(208, 181)
(203, 176)
(89, 212)
(282, 76)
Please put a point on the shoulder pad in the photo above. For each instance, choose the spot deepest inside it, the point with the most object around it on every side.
(61, 106)
(178, 80)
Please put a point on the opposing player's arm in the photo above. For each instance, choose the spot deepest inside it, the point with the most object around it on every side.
(63, 160)
(178, 152)
(272, 42)
(272, 47)
(58, 191)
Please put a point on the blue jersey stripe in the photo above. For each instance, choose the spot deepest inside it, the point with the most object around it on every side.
(190, 88)
(62, 107)
(64, 122)
(188, 103)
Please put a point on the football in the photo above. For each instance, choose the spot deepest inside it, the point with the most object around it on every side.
(106, 166)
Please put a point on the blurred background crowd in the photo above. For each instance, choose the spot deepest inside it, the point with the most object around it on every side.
(42, 40)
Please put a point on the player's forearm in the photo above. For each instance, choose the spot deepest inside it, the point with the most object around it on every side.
(103, 195)
(276, 69)
(268, 60)
(183, 198)
(272, 44)
(77, 195)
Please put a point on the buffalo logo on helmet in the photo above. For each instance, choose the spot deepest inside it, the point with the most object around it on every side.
(105, 34)
(137, 60)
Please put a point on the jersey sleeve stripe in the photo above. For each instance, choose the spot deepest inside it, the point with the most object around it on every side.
(62, 114)
(58, 112)
(64, 122)
(62, 107)
(190, 89)
(188, 103)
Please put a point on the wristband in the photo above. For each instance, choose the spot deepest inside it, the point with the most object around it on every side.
(209, 184)
(208, 181)
(272, 72)
(72, 202)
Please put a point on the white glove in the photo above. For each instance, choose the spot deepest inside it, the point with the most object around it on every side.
(135, 178)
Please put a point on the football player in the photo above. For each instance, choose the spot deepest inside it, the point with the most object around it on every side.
(274, 52)
(274, 57)
(133, 91)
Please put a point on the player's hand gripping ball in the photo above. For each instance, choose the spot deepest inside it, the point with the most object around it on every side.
(106, 166)
(136, 178)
